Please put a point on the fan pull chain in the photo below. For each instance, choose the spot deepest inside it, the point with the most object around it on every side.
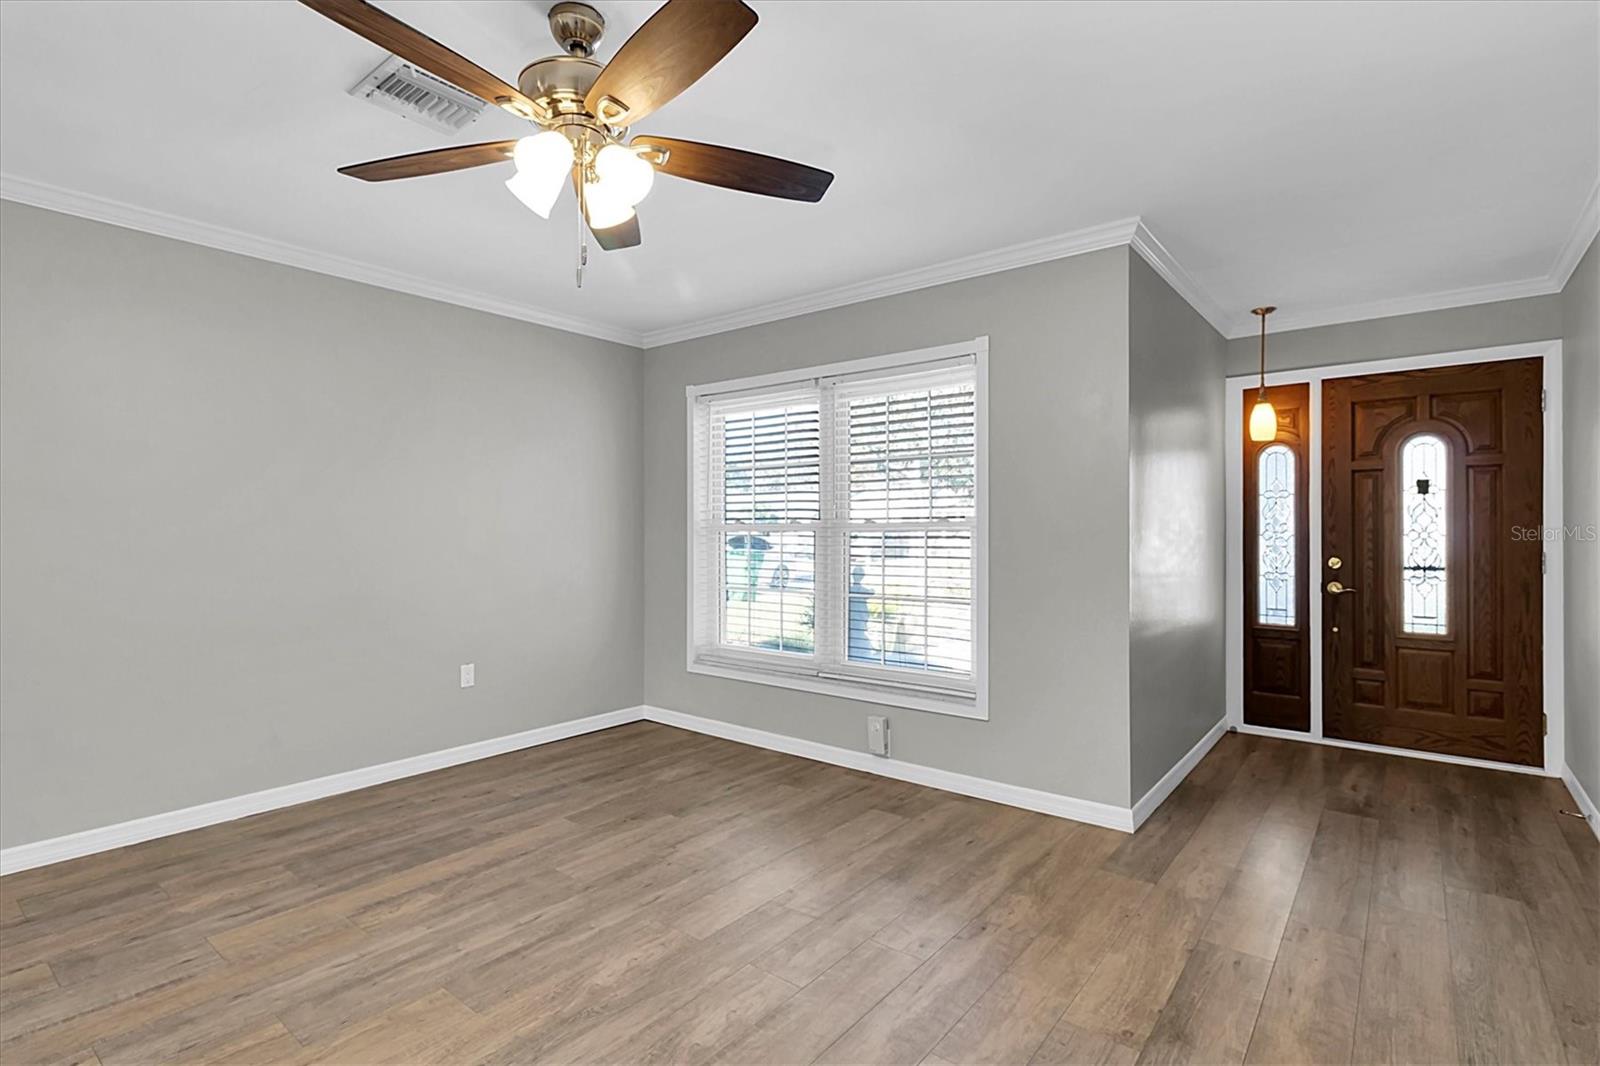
(583, 236)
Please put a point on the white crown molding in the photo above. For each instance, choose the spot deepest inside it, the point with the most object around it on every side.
(117, 213)
(1061, 246)
(1566, 261)
(1155, 253)
(162, 224)
(1129, 231)
(120, 835)
(1583, 234)
(1287, 320)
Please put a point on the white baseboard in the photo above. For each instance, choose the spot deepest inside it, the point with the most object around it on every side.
(76, 845)
(1032, 799)
(1585, 804)
(105, 838)
(1174, 777)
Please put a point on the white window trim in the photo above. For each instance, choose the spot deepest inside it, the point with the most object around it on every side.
(916, 693)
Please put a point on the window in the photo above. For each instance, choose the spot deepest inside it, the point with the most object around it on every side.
(1423, 519)
(770, 500)
(836, 529)
(1275, 513)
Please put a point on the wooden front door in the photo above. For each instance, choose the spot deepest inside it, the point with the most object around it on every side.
(1431, 479)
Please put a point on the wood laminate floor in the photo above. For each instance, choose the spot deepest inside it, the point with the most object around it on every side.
(650, 895)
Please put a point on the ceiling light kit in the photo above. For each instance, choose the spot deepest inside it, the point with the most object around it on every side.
(585, 109)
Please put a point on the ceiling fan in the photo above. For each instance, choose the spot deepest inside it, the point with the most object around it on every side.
(584, 110)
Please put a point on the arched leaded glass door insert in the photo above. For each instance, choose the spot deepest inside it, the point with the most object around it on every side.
(1425, 535)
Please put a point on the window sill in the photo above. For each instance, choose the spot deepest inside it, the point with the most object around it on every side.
(917, 698)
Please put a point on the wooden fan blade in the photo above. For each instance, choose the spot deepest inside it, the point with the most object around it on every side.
(625, 235)
(438, 161)
(734, 168)
(669, 53)
(386, 31)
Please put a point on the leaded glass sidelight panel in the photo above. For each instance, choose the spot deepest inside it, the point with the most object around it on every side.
(1275, 594)
(1424, 518)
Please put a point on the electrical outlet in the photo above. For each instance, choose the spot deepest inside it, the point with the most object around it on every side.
(878, 734)
(469, 674)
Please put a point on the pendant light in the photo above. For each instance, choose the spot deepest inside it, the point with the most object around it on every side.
(1263, 419)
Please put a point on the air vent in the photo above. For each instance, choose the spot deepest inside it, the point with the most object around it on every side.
(397, 86)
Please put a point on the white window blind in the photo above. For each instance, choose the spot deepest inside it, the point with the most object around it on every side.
(767, 503)
(835, 525)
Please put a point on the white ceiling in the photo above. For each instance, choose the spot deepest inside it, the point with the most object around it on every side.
(1339, 160)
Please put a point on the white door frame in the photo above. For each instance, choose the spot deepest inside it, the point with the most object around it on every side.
(1554, 627)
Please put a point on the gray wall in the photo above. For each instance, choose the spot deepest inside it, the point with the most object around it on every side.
(1580, 356)
(1536, 318)
(1175, 524)
(256, 517)
(1058, 505)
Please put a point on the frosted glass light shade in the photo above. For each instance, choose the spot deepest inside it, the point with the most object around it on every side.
(543, 153)
(1263, 422)
(539, 197)
(606, 208)
(544, 163)
(624, 173)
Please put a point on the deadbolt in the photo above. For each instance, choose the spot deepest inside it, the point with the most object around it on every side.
(1334, 562)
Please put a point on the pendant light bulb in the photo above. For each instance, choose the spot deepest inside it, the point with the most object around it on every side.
(1263, 418)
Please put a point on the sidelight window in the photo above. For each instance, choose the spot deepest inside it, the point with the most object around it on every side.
(1275, 547)
(1423, 535)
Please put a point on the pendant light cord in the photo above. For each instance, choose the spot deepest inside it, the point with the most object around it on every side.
(1262, 394)
(1262, 313)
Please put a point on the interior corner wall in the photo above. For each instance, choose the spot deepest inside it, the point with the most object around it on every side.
(1176, 526)
(1058, 598)
(255, 518)
(1580, 359)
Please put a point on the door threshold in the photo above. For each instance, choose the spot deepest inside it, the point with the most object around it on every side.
(1379, 749)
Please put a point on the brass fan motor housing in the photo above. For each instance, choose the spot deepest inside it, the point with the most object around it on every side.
(557, 85)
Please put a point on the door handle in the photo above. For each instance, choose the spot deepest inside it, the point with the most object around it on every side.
(1336, 589)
